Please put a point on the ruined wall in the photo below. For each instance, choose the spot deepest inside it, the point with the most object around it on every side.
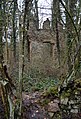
(43, 51)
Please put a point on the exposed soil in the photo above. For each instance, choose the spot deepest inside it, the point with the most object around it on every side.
(32, 109)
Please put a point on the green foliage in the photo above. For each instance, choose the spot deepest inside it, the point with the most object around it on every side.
(71, 90)
(44, 101)
(40, 82)
(52, 91)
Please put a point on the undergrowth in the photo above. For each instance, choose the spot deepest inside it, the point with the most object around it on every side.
(39, 83)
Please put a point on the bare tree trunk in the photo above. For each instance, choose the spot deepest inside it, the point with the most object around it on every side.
(36, 14)
(55, 18)
(21, 53)
(57, 41)
(2, 87)
(14, 29)
(20, 67)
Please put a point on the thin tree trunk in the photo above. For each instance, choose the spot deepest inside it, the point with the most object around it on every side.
(36, 14)
(20, 67)
(14, 29)
(57, 41)
(55, 18)
(24, 34)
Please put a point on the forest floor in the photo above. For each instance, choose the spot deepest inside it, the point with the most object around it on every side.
(32, 107)
(1, 109)
(36, 106)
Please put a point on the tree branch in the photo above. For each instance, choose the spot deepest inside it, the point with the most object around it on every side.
(70, 18)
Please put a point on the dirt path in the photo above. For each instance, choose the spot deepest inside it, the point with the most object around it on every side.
(32, 110)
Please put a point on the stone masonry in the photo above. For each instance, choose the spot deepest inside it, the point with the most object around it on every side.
(43, 51)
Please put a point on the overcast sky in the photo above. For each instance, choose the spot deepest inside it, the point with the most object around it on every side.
(43, 13)
(45, 3)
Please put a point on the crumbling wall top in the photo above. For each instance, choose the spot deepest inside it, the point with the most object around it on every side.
(46, 24)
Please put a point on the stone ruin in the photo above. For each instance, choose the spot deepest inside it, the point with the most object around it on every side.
(42, 49)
